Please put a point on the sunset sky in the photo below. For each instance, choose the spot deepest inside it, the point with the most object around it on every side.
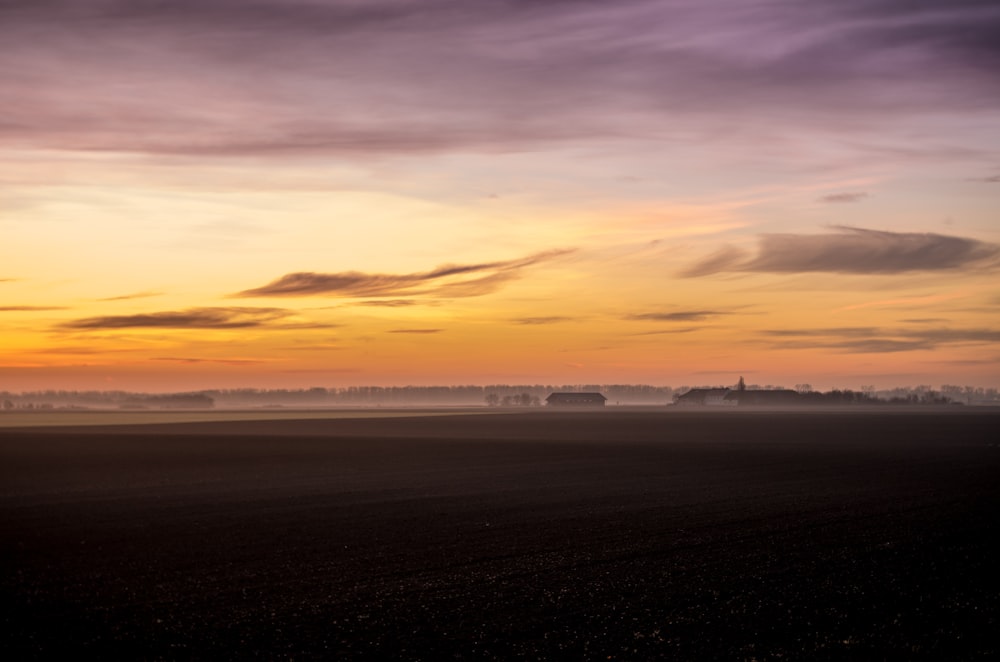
(294, 193)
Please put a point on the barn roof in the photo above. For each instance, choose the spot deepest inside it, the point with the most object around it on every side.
(575, 396)
(699, 393)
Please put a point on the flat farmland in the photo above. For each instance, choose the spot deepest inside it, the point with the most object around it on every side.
(619, 534)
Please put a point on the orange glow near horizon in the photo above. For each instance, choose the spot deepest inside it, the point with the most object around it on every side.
(496, 217)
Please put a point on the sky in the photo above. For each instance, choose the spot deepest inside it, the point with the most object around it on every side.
(206, 194)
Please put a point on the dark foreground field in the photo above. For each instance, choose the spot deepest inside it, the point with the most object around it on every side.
(605, 535)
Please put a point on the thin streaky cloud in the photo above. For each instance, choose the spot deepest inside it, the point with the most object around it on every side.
(416, 331)
(724, 372)
(725, 259)
(848, 331)
(836, 198)
(184, 359)
(880, 346)
(390, 303)
(678, 316)
(660, 332)
(475, 287)
(323, 371)
(947, 335)
(528, 74)
(537, 321)
(853, 251)
(866, 340)
(80, 350)
(972, 362)
(13, 309)
(443, 281)
(135, 295)
(192, 318)
(914, 302)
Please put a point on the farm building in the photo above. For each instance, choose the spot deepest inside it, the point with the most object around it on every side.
(576, 400)
(707, 397)
(764, 398)
(737, 397)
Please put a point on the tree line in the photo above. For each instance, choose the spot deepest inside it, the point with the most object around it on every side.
(497, 395)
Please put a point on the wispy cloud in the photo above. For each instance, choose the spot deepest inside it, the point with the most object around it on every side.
(907, 302)
(852, 251)
(192, 318)
(844, 197)
(537, 321)
(874, 340)
(843, 331)
(14, 309)
(80, 351)
(390, 303)
(184, 359)
(447, 281)
(727, 258)
(135, 295)
(659, 332)
(527, 74)
(678, 316)
(416, 331)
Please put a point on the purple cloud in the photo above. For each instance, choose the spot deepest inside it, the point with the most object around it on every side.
(538, 321)
(445, 281)
(678, 316)
(18, 309)
(390, 303)
(852, 251)
(192, 318)
(261, 76)
(134, 295)
(182, 359)
(844, 197)
(873, 340)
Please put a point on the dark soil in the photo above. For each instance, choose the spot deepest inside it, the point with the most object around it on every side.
(605, 535)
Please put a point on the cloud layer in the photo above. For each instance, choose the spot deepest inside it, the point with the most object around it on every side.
(874, 340)
(678, 316)
(851, 251)
(856, 196)
(539, 321)
(192, 318)
(272, 76)
(448, 281)
(183, 359)
(134, 295)
(18, 309)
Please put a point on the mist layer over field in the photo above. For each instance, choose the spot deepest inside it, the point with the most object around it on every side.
(621, 534)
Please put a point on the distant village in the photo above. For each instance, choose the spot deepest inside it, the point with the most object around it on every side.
(739, 394)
